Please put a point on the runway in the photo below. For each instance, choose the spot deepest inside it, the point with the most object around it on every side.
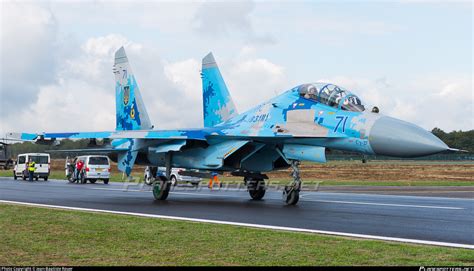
(417, 219)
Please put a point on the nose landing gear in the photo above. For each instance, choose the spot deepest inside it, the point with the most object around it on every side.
(291, 193)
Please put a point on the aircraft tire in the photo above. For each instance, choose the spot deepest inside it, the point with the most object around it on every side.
(147, 180)
(174, 181)
(256, 188)
(292, 197)
(161, 189)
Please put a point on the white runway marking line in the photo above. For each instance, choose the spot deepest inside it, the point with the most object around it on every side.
(171, 192)
(387, 204)
(393, 196)
(303, 199)
(354, 235)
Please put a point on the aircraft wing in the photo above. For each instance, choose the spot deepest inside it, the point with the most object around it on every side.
(132, 134)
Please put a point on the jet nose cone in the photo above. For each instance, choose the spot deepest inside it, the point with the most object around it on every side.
(393, 137)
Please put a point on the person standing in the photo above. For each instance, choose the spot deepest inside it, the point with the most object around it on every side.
(214, 179)
(31, 169)
(79, 166)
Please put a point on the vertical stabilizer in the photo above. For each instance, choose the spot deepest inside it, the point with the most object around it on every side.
(217, 103)
(130, 112)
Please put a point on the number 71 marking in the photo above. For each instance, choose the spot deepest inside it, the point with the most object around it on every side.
(342, 120)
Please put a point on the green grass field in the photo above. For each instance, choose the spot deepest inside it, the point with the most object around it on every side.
(41, 236)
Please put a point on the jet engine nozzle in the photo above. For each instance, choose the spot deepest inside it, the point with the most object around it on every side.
(393, 137)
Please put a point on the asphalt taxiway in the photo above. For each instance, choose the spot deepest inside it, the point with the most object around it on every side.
(418, 219)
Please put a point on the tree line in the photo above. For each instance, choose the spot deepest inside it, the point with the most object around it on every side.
(463, 140)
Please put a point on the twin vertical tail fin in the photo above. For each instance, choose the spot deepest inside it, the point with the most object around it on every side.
(130, 112)
(217, 103)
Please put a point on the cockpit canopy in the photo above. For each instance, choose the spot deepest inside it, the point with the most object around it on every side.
(331, 95)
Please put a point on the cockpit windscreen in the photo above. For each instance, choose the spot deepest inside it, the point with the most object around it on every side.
(331, 95)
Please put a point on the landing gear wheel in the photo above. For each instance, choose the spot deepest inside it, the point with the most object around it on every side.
(291, 196)
(150, 175)
(148, 180)
(291, 193)
(174, 181)
(256, 188)
(161, 189)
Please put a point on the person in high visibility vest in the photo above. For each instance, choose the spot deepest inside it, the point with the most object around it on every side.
(215, 179)
(31, 169)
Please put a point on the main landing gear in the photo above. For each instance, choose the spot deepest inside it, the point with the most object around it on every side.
(161, 186)
(256, 187)
(291, 193)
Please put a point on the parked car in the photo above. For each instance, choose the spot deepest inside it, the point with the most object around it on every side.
(96, 167)
(42, 165)
(175, 178)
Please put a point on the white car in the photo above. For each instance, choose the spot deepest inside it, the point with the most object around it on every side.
(42, 165)
(96, 167)
(175, 178)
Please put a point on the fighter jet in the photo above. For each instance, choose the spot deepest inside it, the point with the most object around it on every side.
(297, 125)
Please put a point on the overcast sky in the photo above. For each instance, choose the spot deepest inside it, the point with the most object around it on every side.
(413, 59)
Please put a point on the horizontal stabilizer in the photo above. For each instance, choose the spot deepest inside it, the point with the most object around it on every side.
(21, 136)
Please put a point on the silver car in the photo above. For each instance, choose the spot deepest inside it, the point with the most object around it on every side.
(175, 178)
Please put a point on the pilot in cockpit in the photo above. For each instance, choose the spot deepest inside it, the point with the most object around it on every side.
(311, 92)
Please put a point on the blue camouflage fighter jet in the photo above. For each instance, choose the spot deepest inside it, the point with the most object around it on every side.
(296, 126)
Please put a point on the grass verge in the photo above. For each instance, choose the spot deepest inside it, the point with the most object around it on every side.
(42, 236)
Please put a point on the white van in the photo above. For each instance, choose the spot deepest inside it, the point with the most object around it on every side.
(175, 177)
(42, 165)
(96, 167)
